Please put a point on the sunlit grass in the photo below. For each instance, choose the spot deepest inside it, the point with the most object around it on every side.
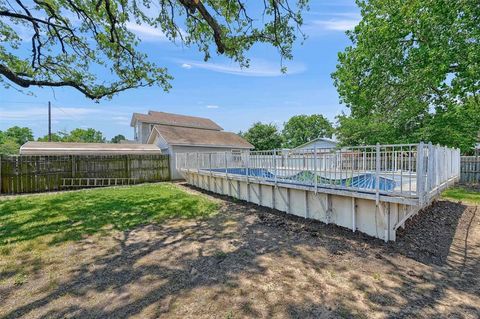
(71, 215)
(462, 194)
(35, 230)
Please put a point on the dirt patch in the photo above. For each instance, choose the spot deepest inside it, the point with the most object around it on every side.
(250, 261)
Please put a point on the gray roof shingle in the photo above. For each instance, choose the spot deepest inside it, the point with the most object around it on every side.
(175, 135)
(163, 118)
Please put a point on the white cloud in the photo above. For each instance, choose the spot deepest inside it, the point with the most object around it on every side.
(146, 32)
(334, 24)
(121, 118)
(258, 68)
(39, 112)
(212, 106)
(186, 66)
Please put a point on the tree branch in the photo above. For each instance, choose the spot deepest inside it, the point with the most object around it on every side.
(25, 83)
(217, 31)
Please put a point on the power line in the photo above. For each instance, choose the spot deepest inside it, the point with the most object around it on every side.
(75, 118)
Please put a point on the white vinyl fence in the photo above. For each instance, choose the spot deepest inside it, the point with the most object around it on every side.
(418, 171)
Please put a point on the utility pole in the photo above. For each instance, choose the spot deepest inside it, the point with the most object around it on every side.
(49, 121)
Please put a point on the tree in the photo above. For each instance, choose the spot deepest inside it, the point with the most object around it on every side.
(8, 146)
(457, 126)
(410, 62)
(263, 136)
(300, 129)
(77, 135)
(55, 137)
(117, 138)
(74, 43)
(19, 135)
(89, 135)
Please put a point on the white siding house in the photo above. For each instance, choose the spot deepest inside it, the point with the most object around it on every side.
(174, 140)
(143, 123)
(319, 143)
(174, 133)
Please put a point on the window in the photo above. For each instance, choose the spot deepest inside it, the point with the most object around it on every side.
(138, 131)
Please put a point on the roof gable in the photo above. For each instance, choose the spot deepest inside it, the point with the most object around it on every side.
(170, 119)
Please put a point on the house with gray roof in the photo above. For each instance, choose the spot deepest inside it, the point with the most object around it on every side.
(175, 133)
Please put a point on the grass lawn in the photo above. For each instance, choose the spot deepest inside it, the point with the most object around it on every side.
(70, 215)
(465, 195)
(30, 225)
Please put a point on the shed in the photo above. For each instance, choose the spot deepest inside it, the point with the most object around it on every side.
(176, 139)
(61, 148)
(319, 143)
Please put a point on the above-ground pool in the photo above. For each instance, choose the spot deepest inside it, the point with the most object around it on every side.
(364, 181)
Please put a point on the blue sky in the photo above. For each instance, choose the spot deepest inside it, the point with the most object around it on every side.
(218, 89)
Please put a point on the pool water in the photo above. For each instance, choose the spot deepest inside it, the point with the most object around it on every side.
(365, 181)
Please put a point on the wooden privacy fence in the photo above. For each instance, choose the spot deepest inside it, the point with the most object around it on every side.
(470, 169)
(38, 173)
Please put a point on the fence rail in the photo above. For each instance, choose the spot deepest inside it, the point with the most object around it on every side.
(35, 173)
(410, 170)
(470, 170)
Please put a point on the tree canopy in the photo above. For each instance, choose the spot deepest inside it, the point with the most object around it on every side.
(20, 135)
(263, 136)
(300, 129)
(13, 138)
(74, 43)
(8, 146)
(77, 135)
(412, 69)
(117, 138)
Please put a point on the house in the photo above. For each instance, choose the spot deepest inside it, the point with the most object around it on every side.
(318, 143)
(60, 148)
(175, 133)
(143, 123)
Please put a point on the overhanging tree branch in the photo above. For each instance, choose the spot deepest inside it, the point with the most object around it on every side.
(64, 51)
(88, 92)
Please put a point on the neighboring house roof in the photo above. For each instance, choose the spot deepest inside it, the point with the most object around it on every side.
(324, 139)
(60, 148)
(175, 135)
(170, 119)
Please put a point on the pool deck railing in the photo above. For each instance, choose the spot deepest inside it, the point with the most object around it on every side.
(415, 173)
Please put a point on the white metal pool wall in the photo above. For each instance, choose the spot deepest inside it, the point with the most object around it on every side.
(420, 172)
